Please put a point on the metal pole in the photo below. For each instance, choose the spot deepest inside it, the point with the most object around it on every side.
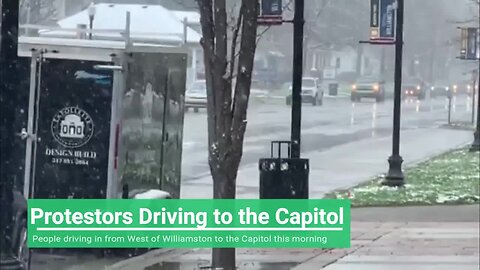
(449, 110)
(476, 142)
(473, 100)
(91, 28)
(298, 22)
(395, 175)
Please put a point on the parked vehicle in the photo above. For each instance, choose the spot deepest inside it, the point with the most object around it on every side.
(196, 96)
(368, 88)
(312, 92)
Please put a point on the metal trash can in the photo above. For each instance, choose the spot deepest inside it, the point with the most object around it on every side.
(283, 178)
(333, 89)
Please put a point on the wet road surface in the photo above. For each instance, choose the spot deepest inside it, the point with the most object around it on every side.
(338, 122)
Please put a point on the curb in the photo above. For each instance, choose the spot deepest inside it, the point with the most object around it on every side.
(407, 165)
(137, 261)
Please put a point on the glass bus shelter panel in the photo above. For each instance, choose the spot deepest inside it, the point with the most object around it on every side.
(74, 115)
(142, 124)
(145, 106)
(174, 117)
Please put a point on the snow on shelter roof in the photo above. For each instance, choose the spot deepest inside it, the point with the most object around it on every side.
(84, 49)
(192, 16)
(151, 23)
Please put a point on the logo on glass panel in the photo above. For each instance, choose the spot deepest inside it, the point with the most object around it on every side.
(72, 127)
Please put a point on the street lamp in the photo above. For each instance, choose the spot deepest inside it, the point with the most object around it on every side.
(476, 142)
(395, 177)
(92, 10)
(298, 36)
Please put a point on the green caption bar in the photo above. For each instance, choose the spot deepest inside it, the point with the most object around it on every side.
(189, 223)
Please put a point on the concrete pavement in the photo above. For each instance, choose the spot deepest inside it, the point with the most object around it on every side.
(415, 246)
(377, 243)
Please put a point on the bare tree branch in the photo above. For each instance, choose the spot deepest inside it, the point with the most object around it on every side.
(244, 73)
(233, 51)
(207, 42)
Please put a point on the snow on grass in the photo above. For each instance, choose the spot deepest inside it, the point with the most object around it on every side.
(452, 178)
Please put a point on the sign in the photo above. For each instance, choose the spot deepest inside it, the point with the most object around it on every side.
(382, 20)
(374, 17)
(472, 43)
(73, 129)
(469, 44)
(189, 223)
(464, 43)
(329, 74)
(270, 12)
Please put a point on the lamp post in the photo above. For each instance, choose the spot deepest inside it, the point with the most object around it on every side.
(476, 142)
(92, 10)
(298, 23)
(395, 175)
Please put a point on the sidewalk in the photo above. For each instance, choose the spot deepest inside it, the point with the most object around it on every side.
(405, 246)
(349, 164)
(408, 244)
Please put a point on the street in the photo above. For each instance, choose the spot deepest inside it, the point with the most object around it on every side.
(336, 123)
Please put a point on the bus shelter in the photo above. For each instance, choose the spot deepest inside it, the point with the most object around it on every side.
(105, 118)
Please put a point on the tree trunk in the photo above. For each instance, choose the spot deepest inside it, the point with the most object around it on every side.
(226, 115)
(223, 258)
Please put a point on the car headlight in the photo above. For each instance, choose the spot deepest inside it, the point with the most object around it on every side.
(418, 87)
(433, 88)
(455, 87)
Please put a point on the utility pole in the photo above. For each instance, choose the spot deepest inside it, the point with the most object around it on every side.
(395, 175)
(298, 23)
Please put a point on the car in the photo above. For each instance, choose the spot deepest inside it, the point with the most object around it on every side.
(414, 88)
(440, 90)
(14, 252)
(368, 88)
(196, 96)
(312, 92)
(464, 88)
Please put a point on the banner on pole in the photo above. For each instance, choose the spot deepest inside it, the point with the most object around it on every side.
(270, 12)
(382, 20)
(470, 48)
